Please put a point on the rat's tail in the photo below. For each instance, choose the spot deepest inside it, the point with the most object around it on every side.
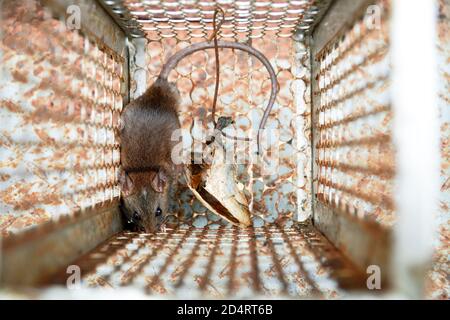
(174, 59)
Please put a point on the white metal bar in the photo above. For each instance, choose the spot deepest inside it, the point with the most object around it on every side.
(416, 137)
(138, 66)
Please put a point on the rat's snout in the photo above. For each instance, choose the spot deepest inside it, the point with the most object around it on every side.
(148, 224)
(154, 220)
(145, 210)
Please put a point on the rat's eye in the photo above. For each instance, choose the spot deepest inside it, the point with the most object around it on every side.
(158, 212)
(136, 216)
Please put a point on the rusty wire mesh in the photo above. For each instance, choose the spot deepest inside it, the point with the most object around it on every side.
(61, 93)
(355, 153)
(220, 262)
(283, 194)
(191, 19)
(279, 192)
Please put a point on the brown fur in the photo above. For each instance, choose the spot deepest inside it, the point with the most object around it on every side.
(146, 146)
(148, 124)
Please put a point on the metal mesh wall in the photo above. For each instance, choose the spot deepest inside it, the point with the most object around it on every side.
(354, 151)
(61, 93)
(277, 192)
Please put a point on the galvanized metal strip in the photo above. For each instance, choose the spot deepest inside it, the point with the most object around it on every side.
(336, 263)
(337, 20)
(89, 262)
(364, 243)
(32, 260)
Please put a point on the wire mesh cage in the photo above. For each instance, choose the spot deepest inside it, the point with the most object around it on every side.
(325, 207)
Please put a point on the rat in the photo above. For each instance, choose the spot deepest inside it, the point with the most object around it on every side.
(145, 132)
(148, 171)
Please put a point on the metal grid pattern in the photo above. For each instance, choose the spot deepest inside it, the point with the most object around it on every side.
(355, 156)
(281, 192)
(191, 19)
(61, 93)
(221, 262)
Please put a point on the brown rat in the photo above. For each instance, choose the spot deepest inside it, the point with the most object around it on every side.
(148, 171)
(147, 125)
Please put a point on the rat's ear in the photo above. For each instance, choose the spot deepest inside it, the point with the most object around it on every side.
(126, 183)
(159, 180)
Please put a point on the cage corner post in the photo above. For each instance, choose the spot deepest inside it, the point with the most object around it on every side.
(303, 102)
(416, 138)
(137, 48)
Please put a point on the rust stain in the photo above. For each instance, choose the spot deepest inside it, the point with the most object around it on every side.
(11, 106)
(19, 76)
(62, 128)
(4, 177)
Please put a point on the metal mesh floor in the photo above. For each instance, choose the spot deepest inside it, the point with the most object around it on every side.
(189, 262)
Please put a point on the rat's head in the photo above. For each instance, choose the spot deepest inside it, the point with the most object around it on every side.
(145, 199)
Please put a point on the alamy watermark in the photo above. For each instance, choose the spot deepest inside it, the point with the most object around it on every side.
(374, 280)
(372, 18)
(73, 18)
(73, 281)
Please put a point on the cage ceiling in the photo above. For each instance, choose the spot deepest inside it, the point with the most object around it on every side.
(192, 19)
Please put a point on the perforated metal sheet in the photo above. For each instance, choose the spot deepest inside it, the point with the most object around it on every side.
(190, 19)
(61, 93)
(280, 192)
(355, 155)
(221, 262)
